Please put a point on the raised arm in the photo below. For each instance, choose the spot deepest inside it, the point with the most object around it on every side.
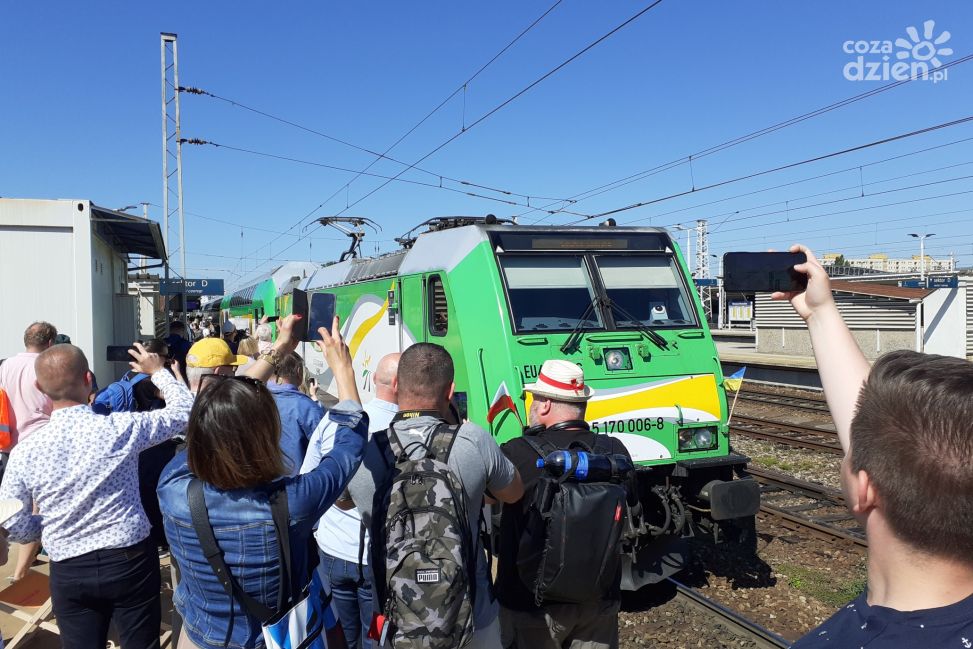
(841, 363)
(329, 478)
(266, 364)
(155, 427)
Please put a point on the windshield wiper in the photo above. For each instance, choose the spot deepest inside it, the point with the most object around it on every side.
(639, 324)
(575, 336)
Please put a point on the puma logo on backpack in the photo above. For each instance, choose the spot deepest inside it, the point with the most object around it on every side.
(424, 552)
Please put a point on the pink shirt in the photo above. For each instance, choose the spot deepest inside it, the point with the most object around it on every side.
(31, 407)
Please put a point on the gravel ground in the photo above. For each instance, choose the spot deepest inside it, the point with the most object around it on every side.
(800, 463)
(793, 584)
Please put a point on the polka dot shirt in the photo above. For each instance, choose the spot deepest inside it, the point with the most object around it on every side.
(81, 471)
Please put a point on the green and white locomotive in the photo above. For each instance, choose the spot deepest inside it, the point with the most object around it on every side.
(619, 302)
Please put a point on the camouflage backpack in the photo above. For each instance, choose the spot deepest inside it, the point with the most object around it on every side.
(423, 551)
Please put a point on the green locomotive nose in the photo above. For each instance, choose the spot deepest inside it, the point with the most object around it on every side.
(502, 299)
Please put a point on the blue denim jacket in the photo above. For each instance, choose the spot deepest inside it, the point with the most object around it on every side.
(243, 526)
(299, 416)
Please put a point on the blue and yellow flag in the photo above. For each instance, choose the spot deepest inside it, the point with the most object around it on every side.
(735, 380)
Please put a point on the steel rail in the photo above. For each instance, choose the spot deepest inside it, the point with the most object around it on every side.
(814, 405)
(761, 637)
(799, 517)
(785, 433)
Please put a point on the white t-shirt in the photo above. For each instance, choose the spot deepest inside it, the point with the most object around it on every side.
(339, 531)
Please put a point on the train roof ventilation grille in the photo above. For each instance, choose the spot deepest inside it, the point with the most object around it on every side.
(362, 269)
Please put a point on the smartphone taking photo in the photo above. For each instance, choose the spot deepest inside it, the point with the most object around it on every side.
(118, 354)
(763, 272)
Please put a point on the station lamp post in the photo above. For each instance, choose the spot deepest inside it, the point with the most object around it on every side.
(922, 253)
(688, 252)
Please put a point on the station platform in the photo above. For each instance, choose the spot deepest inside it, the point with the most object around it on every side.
(801, 371)
(730, 334)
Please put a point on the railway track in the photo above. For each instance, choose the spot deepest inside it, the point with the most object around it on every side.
(815, 439)
(807, 507)
(803, 403)
(737, 624)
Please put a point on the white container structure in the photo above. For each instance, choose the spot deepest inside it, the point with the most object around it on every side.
(67, 261)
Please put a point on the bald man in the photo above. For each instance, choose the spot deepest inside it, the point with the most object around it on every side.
(82, 476)
(338, 533)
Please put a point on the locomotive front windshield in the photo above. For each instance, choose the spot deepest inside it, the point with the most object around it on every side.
(646, 290)
(550, 292)
(556, 292)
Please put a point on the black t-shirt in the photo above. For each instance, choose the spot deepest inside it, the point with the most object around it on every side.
(511, 591)
(860, 625)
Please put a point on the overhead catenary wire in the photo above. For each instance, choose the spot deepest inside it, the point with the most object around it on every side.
(635, 177)
(714, 241)
(491, 112)
(324, 165)
(515, 96)
(409, 132)
(859, 209)
(377, 155)
(791, 165)
(461, 88)
(788, 202)
(799, 181)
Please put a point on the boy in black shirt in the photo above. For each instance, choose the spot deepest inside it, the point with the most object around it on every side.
(907, 475)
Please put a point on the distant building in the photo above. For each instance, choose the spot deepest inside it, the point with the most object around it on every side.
(881, 263)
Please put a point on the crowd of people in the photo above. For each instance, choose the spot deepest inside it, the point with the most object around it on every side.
(273, 506)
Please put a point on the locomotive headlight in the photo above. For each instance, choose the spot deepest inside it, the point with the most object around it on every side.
(617, 359)
(698, 439)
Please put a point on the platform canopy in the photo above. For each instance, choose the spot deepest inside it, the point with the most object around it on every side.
(129, 234)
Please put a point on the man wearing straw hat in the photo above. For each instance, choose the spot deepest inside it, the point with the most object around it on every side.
(557, 403)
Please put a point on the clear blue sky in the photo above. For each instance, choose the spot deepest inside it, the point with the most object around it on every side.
(80, 117)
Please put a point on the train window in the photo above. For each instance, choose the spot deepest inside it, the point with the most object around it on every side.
(647, 288)
(549, 293)
(438, 306)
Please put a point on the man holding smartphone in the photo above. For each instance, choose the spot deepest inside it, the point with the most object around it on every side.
(907, 476)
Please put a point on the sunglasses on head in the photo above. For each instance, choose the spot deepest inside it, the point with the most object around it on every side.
(246, 379)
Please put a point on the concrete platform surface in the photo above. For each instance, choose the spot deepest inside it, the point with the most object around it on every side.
(33, 589)
(742, 353)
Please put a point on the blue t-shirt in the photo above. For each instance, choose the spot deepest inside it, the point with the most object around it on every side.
(859, 625)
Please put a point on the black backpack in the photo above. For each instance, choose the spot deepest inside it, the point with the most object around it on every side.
(570, 546)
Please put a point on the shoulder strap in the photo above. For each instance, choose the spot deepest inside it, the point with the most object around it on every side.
(541, 446)
(393, 444)
(441, 441)
(197, 507)
(602, 444)
(281, 514)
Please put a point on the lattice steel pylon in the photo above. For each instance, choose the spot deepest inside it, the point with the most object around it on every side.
(171, 147)
(707, 294)
(702, 250)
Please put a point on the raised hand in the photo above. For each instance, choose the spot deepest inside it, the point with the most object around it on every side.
(176, 370)
(145, 362)
(338, 357)
(286, 341)
(817, 296)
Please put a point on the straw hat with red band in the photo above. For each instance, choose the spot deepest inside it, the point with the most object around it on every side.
(562, 381)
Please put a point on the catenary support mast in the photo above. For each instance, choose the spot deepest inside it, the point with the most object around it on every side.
(171, 152)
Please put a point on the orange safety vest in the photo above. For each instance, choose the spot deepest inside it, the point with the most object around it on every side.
(5, 420)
